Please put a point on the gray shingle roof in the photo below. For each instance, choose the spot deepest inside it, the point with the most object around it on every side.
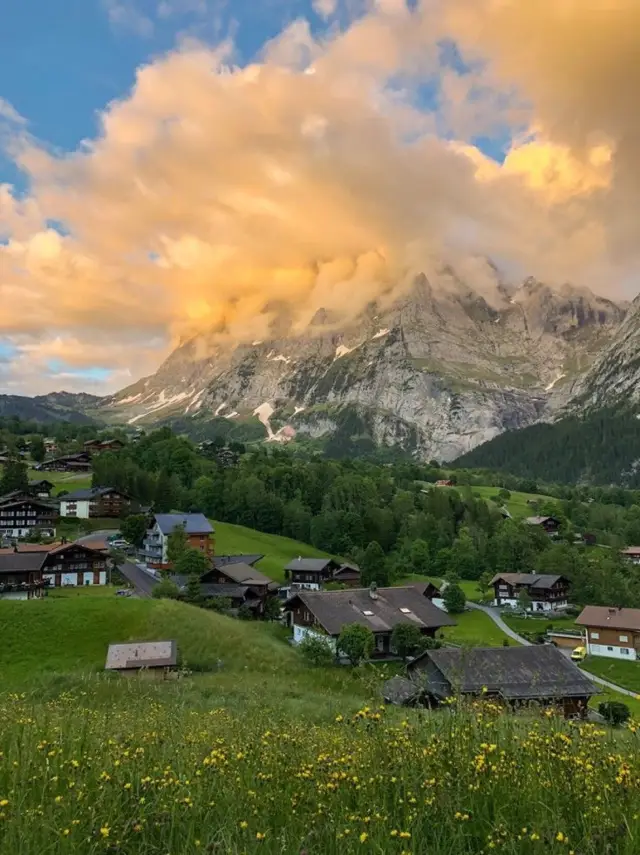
(309, 565)
(193, 523)
(399, 690)
(89, 493)
(533, 580)
(539, 671)
(22, 562)
(337, 609)
(244, 574)
(223, 560)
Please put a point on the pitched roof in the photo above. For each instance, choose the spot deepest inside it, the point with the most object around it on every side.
(30, 547)
(141, 654)
(309, 565)
(62, 547)
(223, 560)
(244, 574)
(28, 500)
(533, 580)
(23, 562)
(90, 493)
(539, 671)
(336, 609)
(211, 589)
(399, 690)
(603, 616)
(540, 520)
(193, 523)
(631, 550)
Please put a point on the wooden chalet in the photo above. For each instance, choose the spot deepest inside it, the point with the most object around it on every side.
(611, 632)
(631, 554)
(310, 573)
(256, 587)
(326, 613)
(95, 502)
(21, 575)
(19, 517)
(539, 674)
(80, 462)
(550, 525)
(547, 592)
(98, 446)
(74, 564)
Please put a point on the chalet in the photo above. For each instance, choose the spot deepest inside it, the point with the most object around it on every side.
(611, 632)
(98, 446)
(143, 658)
(326, 613)
(41, 489)
(74, 564)
(50, 445)
(547, 592)
(539, 674)
(444, 482)
(258, 587)
(80, 462)
(156, 543)
(95, 502)
(631, 554)
(347, 574)
(250, 559)
(550, 525)
(20, 517)
(21, 575)
(310, 573)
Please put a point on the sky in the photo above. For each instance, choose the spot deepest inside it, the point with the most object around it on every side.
(172, 166)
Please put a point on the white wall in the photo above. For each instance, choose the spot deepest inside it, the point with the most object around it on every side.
(15, 595)
(69, 579)
(103, 577)
(81, 512)
(545, 607)
(300, 632)
(51, 578)
(612, 652)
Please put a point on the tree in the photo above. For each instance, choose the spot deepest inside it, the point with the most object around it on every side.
(464, 560)
(524, 600)
(614, 712)
(14, 477)
(166, 590)
(405, 639)
(356, 642)
(317, 650)
(38, 452)
(134, 528)
(219, 604)
(454, 598)
(163, 498)
(374, 565)
(420, 556)
(272, 608)
(191, 562)
(177, 543)
(193, 593)
(484, 583)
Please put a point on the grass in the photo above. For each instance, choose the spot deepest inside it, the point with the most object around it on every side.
(68, 481)
(516, 505)
(278, 551)
(521, 624)
(471, 590)
(475, 629)
(625, 674)
(90, 591)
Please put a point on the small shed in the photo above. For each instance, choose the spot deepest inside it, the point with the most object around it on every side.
(149, 658)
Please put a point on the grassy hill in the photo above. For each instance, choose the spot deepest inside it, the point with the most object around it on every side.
(68, 481)
(278, 551)
(517, 505)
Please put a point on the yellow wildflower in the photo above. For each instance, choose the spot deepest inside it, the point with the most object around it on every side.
(364, 837)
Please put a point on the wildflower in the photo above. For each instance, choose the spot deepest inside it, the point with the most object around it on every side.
(260, 835)
(104, 831)
(364, 837)
(66, 832)
(4, 802)
(405, 835)
(339, 718)
(560, 837)
(244, 824)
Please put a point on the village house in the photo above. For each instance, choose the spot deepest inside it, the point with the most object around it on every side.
(95, 502)
(325, 613)
(546, 592)
(21, 575)
(611, 632)
(310, 573)
(151, 659)
(550, 525)
(40, 489)
(200, 535)
(50, 445)
(80, 462)
(539, 674)
(74, 564)
(22, 516)
(259, 587)
(631, 554)
(98, 446)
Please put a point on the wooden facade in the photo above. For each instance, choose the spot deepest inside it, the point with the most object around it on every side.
(19, 518)
(73, 564)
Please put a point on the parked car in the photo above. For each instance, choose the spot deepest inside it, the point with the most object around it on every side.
(119, 543)
(578, 654)
(124, 592)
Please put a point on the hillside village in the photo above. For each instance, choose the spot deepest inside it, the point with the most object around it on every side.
(130, 555)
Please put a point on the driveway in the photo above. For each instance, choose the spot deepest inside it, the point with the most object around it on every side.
(143, 582)
(495, 617)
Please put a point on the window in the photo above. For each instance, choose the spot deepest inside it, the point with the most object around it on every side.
(624, 651)
(406, 611)
(367, 613)
(595, 635)
(624, 638)
(610, 649)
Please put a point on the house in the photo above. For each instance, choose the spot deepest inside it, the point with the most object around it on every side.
(611, 632)
(547, 592)
(80, 462)
(632, 554)
(250, 559)
(50, 445)
(97, 446)
(21, 575)
(325, 613)
(199, 536)
(145, 658)
(19, 517)
(310, 573)
(74, 564)
(551, 525)
(41, 489)
(95, 502)
(538, 674)
(347, 574)
(258, 587)
(445, 482)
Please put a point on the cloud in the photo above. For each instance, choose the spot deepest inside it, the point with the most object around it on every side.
(324, 174)
(124, 15)
(325, 8)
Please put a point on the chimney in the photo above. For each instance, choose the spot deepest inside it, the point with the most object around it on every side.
(373, 591)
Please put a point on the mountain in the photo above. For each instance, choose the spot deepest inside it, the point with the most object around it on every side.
(441, 370)
(54, 407)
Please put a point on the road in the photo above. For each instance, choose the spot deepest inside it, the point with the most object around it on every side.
(495, 617)
(141, 581)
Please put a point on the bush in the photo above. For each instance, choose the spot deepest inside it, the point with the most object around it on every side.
(317, 651)
(454, 598)
(405, 639)
(166, 590)
(614, 712)
(356, 642)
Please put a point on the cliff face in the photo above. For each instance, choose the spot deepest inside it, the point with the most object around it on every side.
(438, 372)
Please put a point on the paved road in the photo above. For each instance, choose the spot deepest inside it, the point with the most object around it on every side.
(142, 582)
(495, 617)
